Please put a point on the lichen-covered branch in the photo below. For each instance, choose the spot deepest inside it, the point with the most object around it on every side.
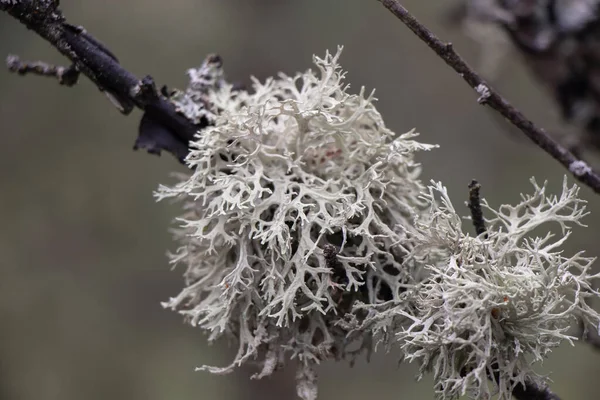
(161, 128)
(306, 233)
(578, 168)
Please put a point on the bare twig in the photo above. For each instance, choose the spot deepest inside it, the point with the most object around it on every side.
(475, 208)
(67, 76)
(161, 128)
(580, 170)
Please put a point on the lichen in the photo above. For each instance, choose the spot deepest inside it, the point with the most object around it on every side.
(492, 305)
(300, 204)
(306, 229)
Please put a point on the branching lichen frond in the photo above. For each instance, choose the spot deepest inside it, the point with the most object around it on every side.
(306, 229)
(301, 203)
(491, 307)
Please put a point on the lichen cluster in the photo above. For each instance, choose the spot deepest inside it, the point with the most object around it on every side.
(493, 305)
(306, 229)
(300, 204)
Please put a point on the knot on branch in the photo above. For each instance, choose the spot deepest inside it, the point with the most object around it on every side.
(145, 91)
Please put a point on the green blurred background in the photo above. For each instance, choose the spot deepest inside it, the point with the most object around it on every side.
(82, 242)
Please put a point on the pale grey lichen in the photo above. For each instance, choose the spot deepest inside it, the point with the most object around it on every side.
(484, 93)
(495, 304)
(194, 102)
(305, 229)
(579, 168)
(300, 204)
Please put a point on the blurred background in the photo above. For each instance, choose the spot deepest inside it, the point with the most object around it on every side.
(82, 242)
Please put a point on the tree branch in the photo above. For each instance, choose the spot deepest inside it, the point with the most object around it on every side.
(487, 95)
(161, 127)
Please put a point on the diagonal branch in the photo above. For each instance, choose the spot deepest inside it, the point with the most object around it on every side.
(161, 127)
(487, 95)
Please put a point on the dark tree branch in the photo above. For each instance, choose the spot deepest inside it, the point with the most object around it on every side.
(487, 95)
(161, 127)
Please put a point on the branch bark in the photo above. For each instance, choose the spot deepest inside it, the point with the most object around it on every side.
(488, 96)
(161, 127)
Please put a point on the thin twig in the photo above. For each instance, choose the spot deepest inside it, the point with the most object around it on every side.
(67, 76)
(162, 128)
(475, 208)
(580, 170)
